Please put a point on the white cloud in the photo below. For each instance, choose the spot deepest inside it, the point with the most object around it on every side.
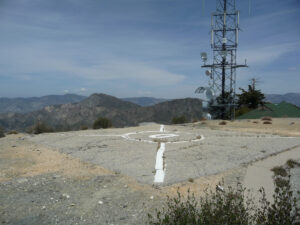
(266, 54)
(82, 89)
(35, 61)
(66, 91)
(293, 68)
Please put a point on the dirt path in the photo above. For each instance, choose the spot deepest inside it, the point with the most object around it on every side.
(259, 174)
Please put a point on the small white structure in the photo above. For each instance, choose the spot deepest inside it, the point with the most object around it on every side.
(208, 116)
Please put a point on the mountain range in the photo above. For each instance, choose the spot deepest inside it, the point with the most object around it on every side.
(72, 116)
(293, 98)
(70, 111)
(23, 105)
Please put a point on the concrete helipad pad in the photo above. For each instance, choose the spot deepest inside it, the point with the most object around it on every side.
(189, 152)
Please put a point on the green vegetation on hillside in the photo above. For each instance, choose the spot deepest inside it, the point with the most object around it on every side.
(74, 115)
(41, 127)
(179, 120)
(280, 110)
(251, 98)
(1, 133)
(102, 122)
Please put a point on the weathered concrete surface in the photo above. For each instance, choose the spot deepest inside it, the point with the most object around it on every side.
(218, 151)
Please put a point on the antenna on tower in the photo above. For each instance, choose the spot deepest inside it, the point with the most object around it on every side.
(249, 7)
(224, 43)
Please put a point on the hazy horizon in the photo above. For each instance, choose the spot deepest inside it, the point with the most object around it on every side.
(121, 96)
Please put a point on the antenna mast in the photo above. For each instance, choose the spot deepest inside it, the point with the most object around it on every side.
(224, 42)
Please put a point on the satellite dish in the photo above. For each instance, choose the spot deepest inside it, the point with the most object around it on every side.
(203, 56)
(200, 90)
(209, 94)
(208, 73)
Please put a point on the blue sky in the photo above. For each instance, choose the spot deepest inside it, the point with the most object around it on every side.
(131, 48)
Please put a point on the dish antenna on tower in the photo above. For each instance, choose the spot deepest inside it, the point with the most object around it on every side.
(208, 72)
(204, 56)
(222, 71)
(209, 93)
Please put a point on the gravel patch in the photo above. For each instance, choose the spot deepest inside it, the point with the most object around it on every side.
(55, 199)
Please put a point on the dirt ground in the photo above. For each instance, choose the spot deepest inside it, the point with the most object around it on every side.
(106, 177)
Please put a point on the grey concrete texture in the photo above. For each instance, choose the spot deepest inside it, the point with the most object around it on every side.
(217, 152)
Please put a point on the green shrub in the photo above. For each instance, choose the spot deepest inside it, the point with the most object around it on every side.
(292, 163)
(12, 132)
(284, 210)
(102, 122)
(241, 111)
(84, 127)
(179, 120)
(280, 171)
(1, 133)
(231, 207)
(213, 208)
(41, 127)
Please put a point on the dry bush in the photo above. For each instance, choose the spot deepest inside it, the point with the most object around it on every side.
(195, 120)
(223, 123)
(267, 118)
(255, 122)
(12, 132)
(203, 119)
(191, 180)
(203, 122)
(267, 122)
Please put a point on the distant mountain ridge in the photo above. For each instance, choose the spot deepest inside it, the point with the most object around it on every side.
(293, 98)
(145, 101)
(24, 105)
(72, 116)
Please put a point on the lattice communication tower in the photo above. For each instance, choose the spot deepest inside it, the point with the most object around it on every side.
(224, 42)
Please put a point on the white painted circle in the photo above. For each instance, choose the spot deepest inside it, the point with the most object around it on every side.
(128, 136)
(163, 136)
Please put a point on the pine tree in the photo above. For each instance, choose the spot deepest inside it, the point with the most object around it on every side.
(251, 98)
